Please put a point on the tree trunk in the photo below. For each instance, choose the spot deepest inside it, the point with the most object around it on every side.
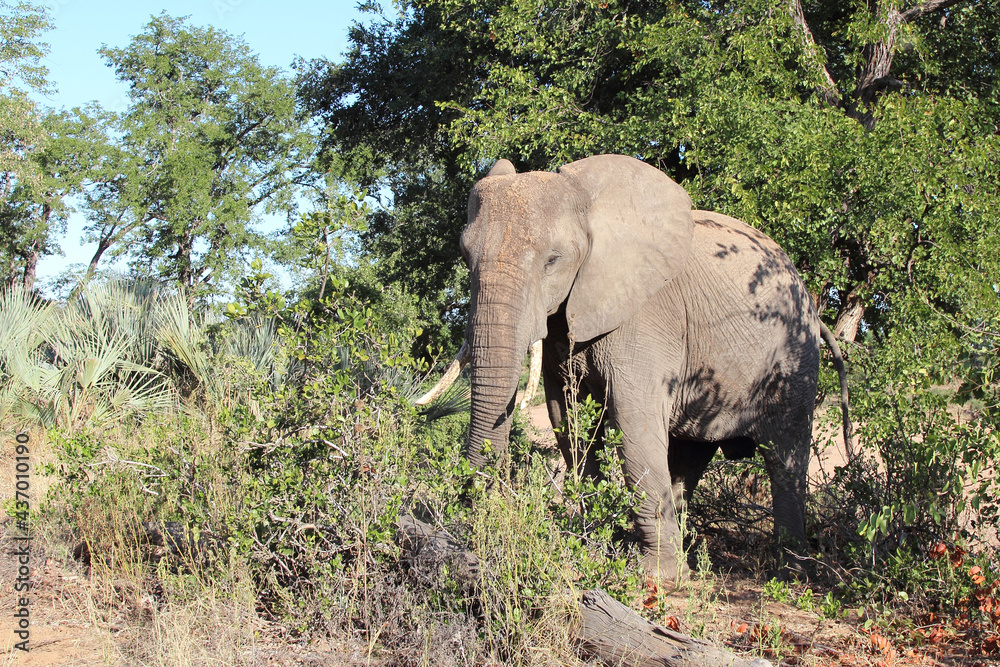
(102, 247)
(876, 74)
(182, 262)
(31, 267)
(35, 251)
(433, 556)
(849, 319)
(828, 91)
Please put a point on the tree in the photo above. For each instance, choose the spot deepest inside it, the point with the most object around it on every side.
(386, 132)
(860, 137)
(21, 133)
(21, 72)
(210, 143)
(72, 157)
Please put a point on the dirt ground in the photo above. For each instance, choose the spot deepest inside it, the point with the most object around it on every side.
(61, 631)
(66, 631)
(728, 611)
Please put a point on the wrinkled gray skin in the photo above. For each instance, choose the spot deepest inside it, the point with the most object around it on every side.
(692, 328)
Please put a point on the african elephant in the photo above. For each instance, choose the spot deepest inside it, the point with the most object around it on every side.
(693, 329)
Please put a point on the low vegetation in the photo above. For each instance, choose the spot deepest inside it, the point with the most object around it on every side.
(264, 489)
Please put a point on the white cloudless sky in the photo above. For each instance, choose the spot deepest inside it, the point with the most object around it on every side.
(276, 31)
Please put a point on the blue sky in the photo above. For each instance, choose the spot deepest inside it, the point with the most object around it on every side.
(276, 32)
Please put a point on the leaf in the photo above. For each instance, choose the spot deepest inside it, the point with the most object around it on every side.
(878, 642)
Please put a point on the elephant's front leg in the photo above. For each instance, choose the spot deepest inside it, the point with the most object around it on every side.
(645, 463)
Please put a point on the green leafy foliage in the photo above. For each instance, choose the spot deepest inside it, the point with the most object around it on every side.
(37, 209)
(227, 145)
(597, 510)
(302, 488)
(21, 72)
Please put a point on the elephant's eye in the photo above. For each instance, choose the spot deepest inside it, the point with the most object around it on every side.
(553, 258)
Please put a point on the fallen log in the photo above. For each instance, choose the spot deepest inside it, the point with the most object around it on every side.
(159, 539)
(610, 631)
(605, 628)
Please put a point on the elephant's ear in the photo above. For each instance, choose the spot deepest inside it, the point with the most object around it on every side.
(502, 168)
(640, 229)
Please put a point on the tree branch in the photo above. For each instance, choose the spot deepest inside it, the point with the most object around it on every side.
(829, 93)
(875, 76)
(921, 10)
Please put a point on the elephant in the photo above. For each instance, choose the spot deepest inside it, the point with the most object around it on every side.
(692, 328)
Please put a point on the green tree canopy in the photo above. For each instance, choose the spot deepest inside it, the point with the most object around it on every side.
(862, 137)
(210, 143)
(21, 72)
(21, 132)
(72, 156)
(386, 132)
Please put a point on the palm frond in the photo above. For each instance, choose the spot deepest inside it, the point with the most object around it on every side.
(184, 337)
(456, 399)
(24, 324)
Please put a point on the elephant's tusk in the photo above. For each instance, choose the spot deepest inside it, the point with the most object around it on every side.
(534, 373)
(450, 375)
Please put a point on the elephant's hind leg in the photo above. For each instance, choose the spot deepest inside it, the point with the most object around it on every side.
(688, 460)
(787, 461)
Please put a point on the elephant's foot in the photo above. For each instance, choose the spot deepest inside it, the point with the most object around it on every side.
(790, 545)
(668, 569)
(662, 542)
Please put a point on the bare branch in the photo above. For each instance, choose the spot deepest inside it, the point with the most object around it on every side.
(875, 76)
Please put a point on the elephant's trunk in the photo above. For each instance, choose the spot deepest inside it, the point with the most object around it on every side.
(497, 342)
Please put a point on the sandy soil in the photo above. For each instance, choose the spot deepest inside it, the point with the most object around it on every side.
(61, 631)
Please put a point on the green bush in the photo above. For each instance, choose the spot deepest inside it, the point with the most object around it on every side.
(921, 480)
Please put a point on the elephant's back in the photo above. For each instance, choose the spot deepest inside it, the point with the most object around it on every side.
(752, 332)
(754, 276)
(718, 235)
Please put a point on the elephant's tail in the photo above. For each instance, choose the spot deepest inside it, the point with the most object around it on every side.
(838, 361)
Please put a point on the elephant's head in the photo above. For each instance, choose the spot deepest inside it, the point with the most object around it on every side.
(599, 237)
